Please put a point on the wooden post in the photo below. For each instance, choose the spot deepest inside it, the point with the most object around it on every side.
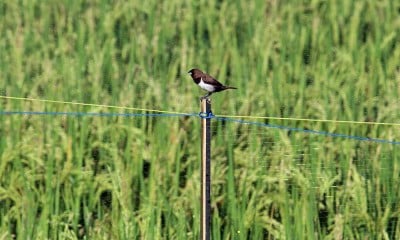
(205, 228)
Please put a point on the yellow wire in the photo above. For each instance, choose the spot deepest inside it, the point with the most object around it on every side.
(311, 120)
(89, 104)
(226, 116)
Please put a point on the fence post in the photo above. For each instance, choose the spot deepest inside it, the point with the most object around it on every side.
(205, 221)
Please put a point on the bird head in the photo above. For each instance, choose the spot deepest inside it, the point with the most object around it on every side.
(195, 73)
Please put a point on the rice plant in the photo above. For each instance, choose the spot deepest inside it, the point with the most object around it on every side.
(91, 177)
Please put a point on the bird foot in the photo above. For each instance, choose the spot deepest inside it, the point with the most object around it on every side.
(205, 97)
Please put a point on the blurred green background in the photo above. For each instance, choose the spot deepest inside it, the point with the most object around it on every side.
(64, 177)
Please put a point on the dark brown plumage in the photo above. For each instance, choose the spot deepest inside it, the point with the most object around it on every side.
(207, 83)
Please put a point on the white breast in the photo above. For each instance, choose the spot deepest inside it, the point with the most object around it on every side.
(207, 87)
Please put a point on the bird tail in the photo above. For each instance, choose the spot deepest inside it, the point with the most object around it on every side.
(228, 87)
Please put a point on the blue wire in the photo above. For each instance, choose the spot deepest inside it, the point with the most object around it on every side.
(209, 115)
(339, 135)
(93, 114)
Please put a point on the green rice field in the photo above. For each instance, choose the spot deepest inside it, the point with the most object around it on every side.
(79, 176)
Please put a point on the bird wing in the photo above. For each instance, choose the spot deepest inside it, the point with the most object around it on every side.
(210, 80)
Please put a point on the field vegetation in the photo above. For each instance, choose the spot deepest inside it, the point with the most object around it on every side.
(92, 177)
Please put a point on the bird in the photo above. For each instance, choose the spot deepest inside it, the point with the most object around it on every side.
(207, 82)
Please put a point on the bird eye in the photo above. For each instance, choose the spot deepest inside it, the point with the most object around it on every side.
(190, 73)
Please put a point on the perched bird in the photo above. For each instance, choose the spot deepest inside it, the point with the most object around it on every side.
(206, 82)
